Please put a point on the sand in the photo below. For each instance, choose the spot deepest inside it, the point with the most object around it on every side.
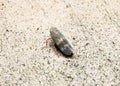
(91, 26)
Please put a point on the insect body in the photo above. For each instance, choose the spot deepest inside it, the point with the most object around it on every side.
(60, 42)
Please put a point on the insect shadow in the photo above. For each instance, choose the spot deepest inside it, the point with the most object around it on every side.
(67, 56)
(57, 50)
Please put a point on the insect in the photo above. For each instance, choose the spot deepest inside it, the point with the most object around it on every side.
(61, 42)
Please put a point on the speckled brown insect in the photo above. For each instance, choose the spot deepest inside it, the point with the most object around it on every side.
(61, 42)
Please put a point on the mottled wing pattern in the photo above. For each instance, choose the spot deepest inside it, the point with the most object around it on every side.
(61, 43)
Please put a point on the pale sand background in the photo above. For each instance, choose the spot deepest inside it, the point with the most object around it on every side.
(91, 26)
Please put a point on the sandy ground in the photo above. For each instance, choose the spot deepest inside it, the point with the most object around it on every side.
(91, 26)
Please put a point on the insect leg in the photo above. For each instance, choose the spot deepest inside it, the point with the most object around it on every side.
(47, 43)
